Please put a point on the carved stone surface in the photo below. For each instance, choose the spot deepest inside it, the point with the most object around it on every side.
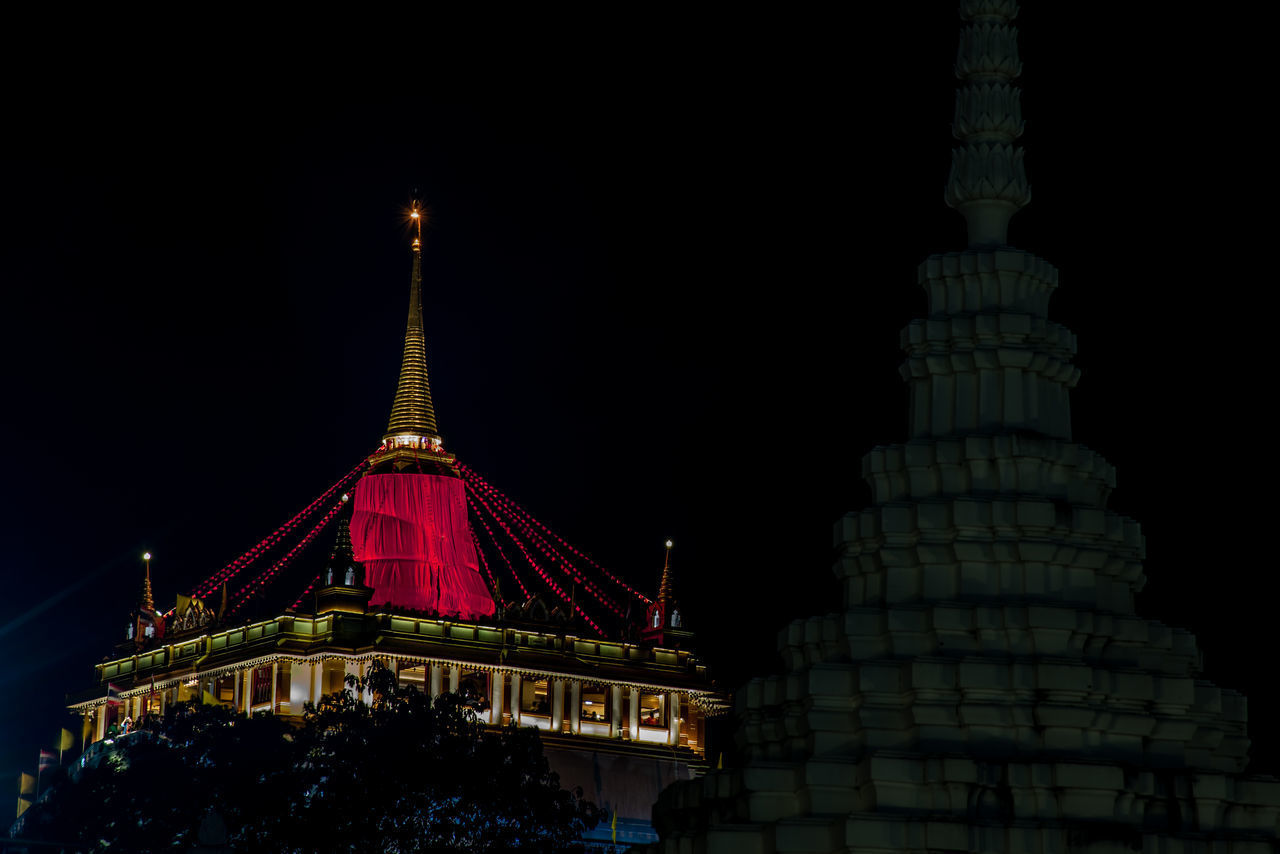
(988, 181)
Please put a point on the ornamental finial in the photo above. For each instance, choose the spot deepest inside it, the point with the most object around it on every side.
(664, 589)
(988, 181)
(146, 601)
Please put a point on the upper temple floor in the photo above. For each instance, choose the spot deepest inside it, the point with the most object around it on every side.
(556, 681)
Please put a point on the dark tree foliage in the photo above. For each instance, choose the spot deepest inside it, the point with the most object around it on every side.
(401, 774)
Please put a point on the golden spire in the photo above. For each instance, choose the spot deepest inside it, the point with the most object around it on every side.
(146, 602)
(664, 589)
(412, 413)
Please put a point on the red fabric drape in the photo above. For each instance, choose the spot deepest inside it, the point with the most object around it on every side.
(410, 531)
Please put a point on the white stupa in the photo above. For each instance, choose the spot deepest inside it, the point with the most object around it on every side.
(988, 685)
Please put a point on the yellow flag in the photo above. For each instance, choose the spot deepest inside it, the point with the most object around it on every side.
(614, 827)
(207, 699)
(65, 739)
(23, 803)
(27, 785)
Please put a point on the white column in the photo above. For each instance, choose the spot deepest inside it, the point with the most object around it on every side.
(235, 691)
(673, 718)
(496, 697)
(299, 686)
(275, 678)
(575, 706)
(515, 698)
(633, 717)
(455, 677)
(101, 712)
(615, 711)
(557, 704)
(367, 693)
(246, 693)
(436, 679)
(317, 681)
(161, 694)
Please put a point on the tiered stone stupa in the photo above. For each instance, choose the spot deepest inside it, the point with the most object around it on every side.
(988, 685)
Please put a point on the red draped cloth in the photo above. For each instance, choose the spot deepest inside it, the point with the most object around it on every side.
(410, 532)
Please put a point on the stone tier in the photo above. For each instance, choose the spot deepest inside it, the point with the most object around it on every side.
(987, 359)
(1035, 683)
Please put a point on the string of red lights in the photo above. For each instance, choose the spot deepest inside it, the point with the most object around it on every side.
(477, 482)
(550, 582)
(493, 585)
(266, 576)
(567, 568)
(310, 586)
(494, 539)
(271, 540)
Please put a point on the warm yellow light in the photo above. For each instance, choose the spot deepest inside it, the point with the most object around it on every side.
(670, 544)
(414, 214)
(146, 556)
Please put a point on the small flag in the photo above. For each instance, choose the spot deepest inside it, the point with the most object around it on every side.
(23, 804)
(48, 759)
(207, 699)
(113, 695)
(613, 825)
(65, 739)
(26, 785)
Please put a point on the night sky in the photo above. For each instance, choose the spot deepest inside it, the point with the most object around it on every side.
(664, 288)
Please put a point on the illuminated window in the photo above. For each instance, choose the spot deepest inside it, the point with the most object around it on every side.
(415, 676)
(535, 697)
(653, 710)
(151, 704)
(225, 689)
(595, 703)
(335, 674)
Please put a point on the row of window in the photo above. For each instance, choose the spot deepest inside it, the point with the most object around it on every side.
(595, 701)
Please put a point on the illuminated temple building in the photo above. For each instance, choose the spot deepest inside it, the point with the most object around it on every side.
(408, 583)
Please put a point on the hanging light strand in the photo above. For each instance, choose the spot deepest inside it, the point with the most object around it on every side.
(263, 579)
(494, 539)
(550, 582)
(271, 540)
(474, 479)
(310, 586)
(493, 585)
(565, 567)
(232, 569)
(568, 568)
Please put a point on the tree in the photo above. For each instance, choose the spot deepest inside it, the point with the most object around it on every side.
(403, 773)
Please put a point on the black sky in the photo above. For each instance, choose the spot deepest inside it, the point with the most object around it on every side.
(665, 285)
